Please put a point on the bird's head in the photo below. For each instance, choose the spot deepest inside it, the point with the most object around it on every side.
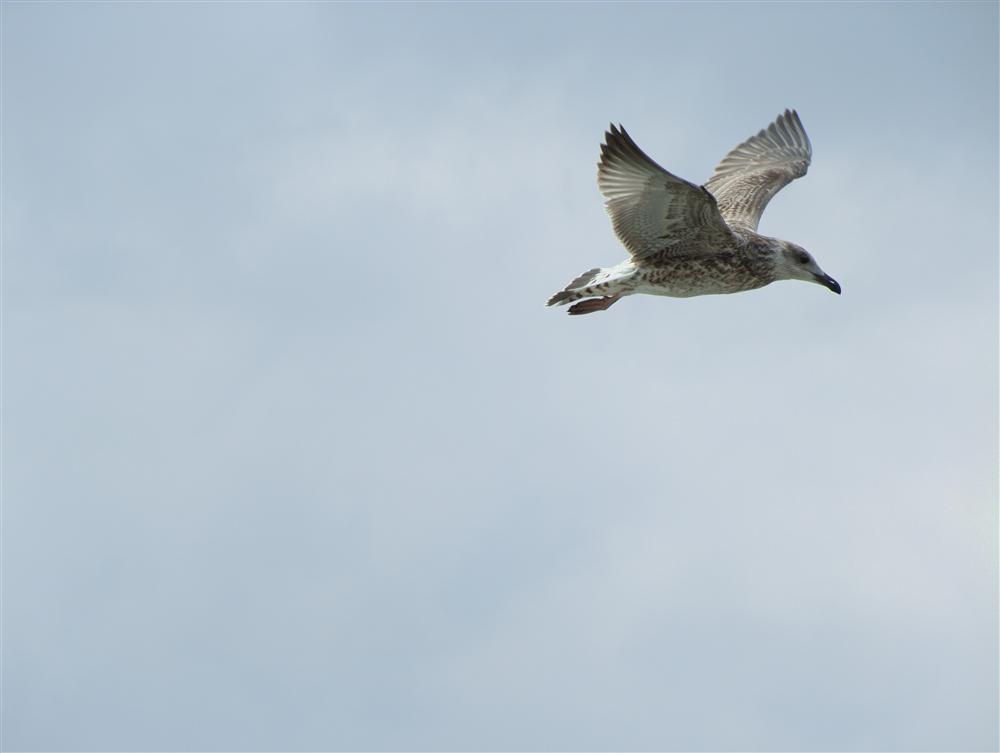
(795, 263)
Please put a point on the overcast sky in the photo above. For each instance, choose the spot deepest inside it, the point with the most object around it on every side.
(297, 459)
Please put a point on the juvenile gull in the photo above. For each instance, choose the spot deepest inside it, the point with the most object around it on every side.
(688, 240)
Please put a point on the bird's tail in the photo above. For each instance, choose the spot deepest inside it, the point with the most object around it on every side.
(574, 291)
(596, 285)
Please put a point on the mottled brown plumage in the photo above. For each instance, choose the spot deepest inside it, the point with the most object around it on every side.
(686, 240)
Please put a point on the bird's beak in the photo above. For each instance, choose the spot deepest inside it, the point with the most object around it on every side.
(828, 282)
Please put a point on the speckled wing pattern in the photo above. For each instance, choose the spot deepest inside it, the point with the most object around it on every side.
(656, 214)
(752, 173)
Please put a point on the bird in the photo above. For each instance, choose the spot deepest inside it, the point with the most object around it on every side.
(687, 240)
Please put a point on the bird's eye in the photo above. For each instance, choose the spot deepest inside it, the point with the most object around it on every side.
(802, 257)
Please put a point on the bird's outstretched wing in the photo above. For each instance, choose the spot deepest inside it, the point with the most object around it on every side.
(655, 213)
(752, 173)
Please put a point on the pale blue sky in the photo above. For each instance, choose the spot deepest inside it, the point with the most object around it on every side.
(297, 459)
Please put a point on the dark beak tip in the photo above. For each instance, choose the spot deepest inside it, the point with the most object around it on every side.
(828, 282)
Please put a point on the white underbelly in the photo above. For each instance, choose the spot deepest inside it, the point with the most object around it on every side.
(675, 290)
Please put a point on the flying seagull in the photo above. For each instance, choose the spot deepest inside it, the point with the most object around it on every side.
(687, 240)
